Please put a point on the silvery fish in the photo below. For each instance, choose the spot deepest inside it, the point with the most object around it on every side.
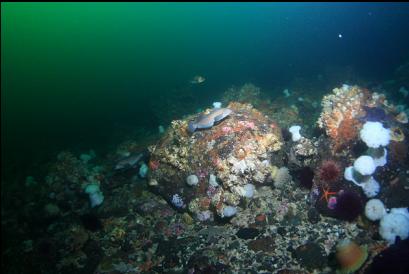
(198, 79)
(129, 162)
(208, 120)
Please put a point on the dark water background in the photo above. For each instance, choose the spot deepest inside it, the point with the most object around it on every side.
(74, 75)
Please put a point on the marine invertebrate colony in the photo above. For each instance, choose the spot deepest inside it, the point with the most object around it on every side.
(347, 131)
(339, 114)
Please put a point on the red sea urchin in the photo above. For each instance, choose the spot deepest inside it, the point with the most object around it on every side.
(329, 171)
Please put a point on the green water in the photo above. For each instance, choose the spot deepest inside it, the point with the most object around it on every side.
(73, 72)
(81, 76)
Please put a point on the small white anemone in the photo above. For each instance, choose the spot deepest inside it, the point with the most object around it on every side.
(374, 209)
(217, 104)
(371, 187)
(212, 181)
(192, 180)
(295, 133)
(229, 211)
(248, 190)
(96, 197)
(365, 165)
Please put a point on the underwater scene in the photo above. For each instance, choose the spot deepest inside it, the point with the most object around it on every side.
(205, 138)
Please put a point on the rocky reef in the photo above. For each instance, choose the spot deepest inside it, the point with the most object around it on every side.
(238, 196)
(226, 158)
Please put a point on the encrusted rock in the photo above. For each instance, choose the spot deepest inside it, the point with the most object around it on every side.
(236, 151)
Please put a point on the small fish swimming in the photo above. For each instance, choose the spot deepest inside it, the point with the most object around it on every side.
(129, 162)
(198, 79)
(208, 120)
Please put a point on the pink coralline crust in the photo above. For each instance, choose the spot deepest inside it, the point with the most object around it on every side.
(176, 229)
(247, 124)
(166, 212)
(202, 174)
(216, 161)
(227, 130)
(153, 165)
(211, 191)
(273, 125)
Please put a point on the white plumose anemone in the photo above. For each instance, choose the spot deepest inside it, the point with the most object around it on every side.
(295, 133)
(375, 135)
(374, 209)
(393, 224)
(365, 165)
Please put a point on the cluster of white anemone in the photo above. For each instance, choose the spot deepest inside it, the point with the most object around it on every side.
(376, 137)
(392, 223)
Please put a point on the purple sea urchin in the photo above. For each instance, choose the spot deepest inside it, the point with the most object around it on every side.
(349, 205)
(306, 176)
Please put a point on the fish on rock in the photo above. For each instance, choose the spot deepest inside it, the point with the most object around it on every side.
(129, 162)
(208, 120)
